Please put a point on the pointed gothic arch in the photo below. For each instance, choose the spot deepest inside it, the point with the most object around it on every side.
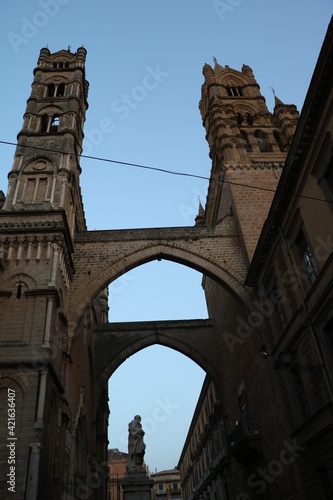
(99, 267)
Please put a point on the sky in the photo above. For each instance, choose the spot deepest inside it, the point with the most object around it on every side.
(154, 121)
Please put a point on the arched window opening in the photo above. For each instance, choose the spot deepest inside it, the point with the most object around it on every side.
(66, 65)
(249, 119)
(239, 119)
(45, 120)
(233, 90)
(60, 90)
(56, 90)
(263, 141)
(247, 141)
(51, 90)
(278, 139)
(55, 124)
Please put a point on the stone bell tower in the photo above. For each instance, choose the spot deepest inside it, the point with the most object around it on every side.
(248, 146)
(41, 212)
(45, 173)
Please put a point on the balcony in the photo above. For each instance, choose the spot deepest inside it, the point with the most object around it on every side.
(244, 443)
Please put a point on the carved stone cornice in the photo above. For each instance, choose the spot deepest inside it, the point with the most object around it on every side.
(254, 165)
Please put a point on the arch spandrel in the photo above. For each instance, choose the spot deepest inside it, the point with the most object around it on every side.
(102, 256)
(115, 342)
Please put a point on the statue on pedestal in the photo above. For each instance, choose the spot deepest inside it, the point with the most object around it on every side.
(136, 446)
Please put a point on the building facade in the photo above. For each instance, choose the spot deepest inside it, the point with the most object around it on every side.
(61, 447)
(117, 461)
(275, 180)
(263, 425)
(202, 464)
(166, 485)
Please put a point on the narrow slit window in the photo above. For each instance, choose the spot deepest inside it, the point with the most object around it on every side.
(51, 90)
(44, 123)
(60, 90)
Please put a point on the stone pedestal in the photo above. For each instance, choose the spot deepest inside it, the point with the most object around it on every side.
(137, 485)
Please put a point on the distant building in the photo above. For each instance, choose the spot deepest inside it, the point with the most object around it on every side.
(204, 456)
(166, 485)
(117, 470)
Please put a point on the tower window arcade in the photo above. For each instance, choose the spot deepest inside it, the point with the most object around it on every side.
(50, 124)
(56, 90)
(61, 65)
(233, 90)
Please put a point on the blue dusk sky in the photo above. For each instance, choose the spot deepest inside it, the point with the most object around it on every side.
(144, 65)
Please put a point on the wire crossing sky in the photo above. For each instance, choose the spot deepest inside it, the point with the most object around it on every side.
(171, 172)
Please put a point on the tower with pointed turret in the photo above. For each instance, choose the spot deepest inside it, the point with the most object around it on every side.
(39, 217)
(248, 146)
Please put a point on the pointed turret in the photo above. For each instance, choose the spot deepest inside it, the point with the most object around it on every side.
(199, 220)
(217, 66)
(248, 145)
(277, 101)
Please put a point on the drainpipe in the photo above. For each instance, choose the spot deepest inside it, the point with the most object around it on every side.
(33, 472)
(39, 424)
(47, 331)
(54, 265)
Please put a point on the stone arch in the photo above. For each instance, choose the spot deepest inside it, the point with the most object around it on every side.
(110, 269)
(232, 77)
(41, 163)
(51, 110)
(114, 343)
(20, 277)
(163, 340)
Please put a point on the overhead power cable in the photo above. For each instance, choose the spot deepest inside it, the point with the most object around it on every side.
(165, 171)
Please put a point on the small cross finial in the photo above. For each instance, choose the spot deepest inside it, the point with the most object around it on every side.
(215, 60)
(69, 48)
